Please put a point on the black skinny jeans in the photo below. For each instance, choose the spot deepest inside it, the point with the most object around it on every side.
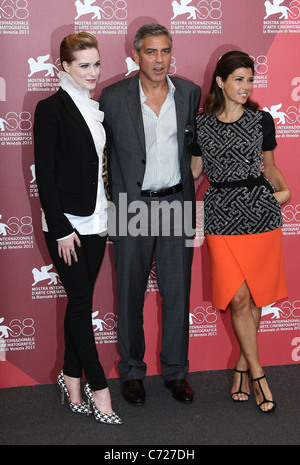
(79, 281)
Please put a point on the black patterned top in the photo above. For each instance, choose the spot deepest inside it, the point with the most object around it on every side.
(240, 199)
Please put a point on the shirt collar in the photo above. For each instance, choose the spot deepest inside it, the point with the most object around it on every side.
(170, 93)
(68, 84)
(80, 96)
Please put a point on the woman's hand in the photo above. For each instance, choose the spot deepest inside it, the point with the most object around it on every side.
(274, 175)
(66, 248)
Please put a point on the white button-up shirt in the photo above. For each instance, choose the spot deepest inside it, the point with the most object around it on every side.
(162, 160)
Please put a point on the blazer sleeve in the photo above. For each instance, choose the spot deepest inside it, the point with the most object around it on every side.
(46, 133)
(193, 146)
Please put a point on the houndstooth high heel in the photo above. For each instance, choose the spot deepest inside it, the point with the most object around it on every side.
(107, 418)
(76, 408)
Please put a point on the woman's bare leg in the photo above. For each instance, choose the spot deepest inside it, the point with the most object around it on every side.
(245, 319)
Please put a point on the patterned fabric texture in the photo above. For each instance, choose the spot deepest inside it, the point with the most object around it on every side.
(232, 153)
(105, 173)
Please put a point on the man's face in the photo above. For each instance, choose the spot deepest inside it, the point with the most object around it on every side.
(154, 59)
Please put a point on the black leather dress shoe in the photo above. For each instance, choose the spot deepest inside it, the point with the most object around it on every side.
(181, 390)
(134, 392)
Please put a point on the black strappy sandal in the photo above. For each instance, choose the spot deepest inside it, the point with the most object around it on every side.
(265, 400)
(240, 388)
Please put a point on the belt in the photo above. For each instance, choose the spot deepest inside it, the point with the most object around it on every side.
(249, 182)
(162, 192)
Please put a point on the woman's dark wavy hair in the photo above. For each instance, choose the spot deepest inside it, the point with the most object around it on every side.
(227, 64)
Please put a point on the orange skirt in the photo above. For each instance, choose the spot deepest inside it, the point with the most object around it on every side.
(254, 258)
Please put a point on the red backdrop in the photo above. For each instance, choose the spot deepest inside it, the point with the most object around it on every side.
(32, 298)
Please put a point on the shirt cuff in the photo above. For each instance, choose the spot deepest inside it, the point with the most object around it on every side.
(66, 237)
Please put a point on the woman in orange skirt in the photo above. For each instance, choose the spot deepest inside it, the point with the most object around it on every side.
(242, 213)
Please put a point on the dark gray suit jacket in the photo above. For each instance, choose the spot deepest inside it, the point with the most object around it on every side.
(126, 140)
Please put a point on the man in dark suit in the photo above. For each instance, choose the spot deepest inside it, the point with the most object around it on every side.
(150, 125)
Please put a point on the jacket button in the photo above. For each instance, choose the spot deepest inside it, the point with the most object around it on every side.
(139, 184)
(143, 161)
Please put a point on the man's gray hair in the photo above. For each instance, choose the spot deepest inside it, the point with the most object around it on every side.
(150, 30)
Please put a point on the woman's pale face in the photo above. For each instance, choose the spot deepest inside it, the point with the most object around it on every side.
(85, 69)
(238, 86)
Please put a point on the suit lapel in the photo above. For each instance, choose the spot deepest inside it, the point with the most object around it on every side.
(180, 116)
(134, 106)
(75, 114)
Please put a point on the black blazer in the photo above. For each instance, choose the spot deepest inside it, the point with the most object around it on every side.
(66, 162)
